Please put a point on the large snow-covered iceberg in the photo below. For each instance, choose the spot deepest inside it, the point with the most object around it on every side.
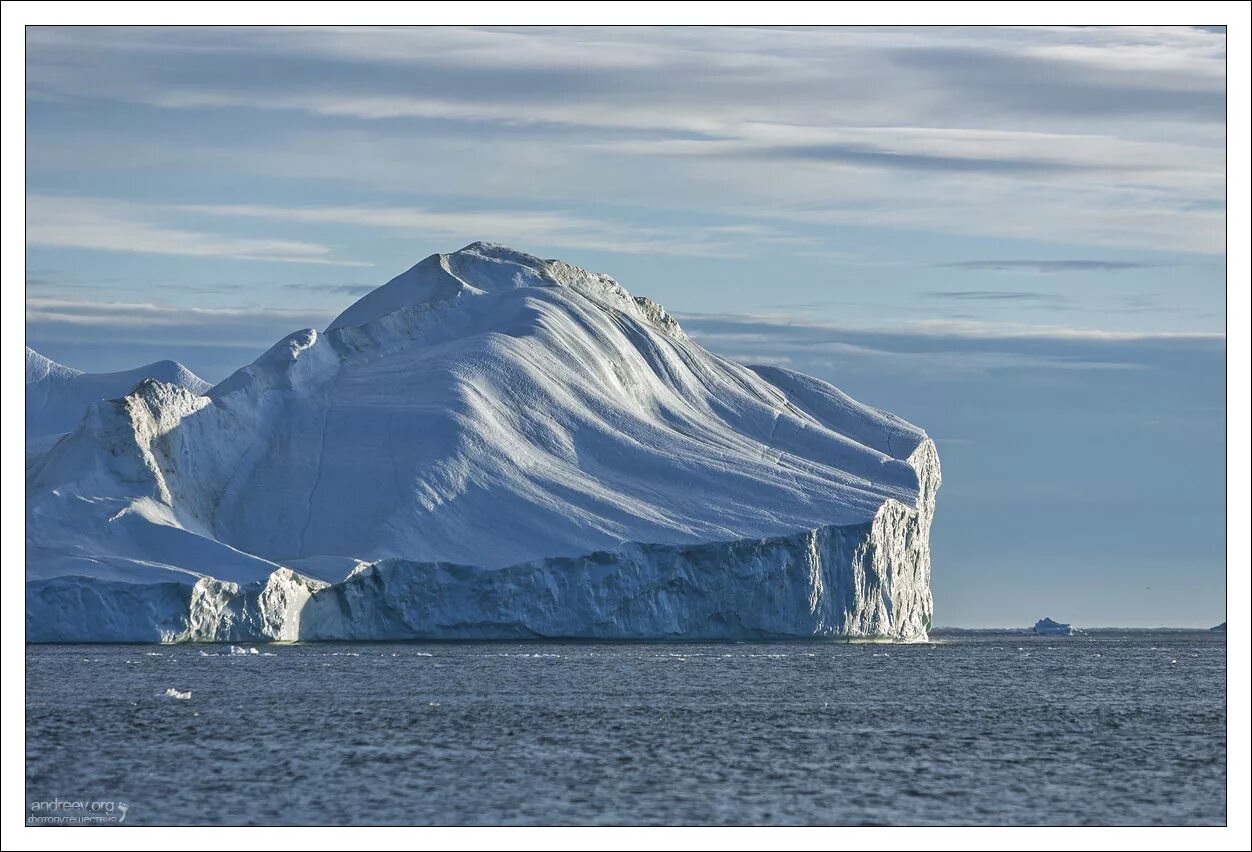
(488, 446)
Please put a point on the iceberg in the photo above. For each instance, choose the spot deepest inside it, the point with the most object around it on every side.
(1048, 627)
(489, 446)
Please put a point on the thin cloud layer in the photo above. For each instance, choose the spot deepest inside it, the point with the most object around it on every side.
(1103, 134)
(113, 226)
(1049, 266)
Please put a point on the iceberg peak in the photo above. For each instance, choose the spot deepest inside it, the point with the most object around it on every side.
(478, 269)
(39, 367)
(490, 269)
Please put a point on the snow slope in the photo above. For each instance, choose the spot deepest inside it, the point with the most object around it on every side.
(488, 446)
(57, 396)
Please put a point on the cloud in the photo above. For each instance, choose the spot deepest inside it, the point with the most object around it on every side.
(116, 226)
(100, 335)
(520, 227)
(335, 289)
(1049, 266)
(1076, 79)
(993, 295)
(1094, 136)
(941, 351)
(864, 156)
(143, 315)
(1022, 331)
(1015, 299)
(643, 76)
(765, 324)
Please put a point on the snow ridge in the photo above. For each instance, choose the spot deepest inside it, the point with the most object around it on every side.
(57, 395)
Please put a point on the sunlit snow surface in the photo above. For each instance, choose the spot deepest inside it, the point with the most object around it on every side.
(488, 446)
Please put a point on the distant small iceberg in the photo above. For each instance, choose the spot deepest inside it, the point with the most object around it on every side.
(1048, 627)
(176, 694)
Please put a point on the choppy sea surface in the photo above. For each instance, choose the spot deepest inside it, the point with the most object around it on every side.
(1111, 728)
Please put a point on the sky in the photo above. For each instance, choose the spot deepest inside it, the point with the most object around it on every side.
(1014, 238)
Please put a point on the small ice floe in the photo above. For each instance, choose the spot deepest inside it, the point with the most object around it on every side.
(176, 694)
(237, 651)
(232, 651)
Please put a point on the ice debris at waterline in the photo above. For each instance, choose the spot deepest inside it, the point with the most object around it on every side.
(489, 446)
(1048, 627)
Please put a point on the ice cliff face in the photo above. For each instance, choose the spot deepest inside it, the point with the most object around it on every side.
(488, 446)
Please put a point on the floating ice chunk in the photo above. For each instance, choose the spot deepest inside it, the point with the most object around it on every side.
(1048, 627)
(176, 694)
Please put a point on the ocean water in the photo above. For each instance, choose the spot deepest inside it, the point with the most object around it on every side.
(1113, 728)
